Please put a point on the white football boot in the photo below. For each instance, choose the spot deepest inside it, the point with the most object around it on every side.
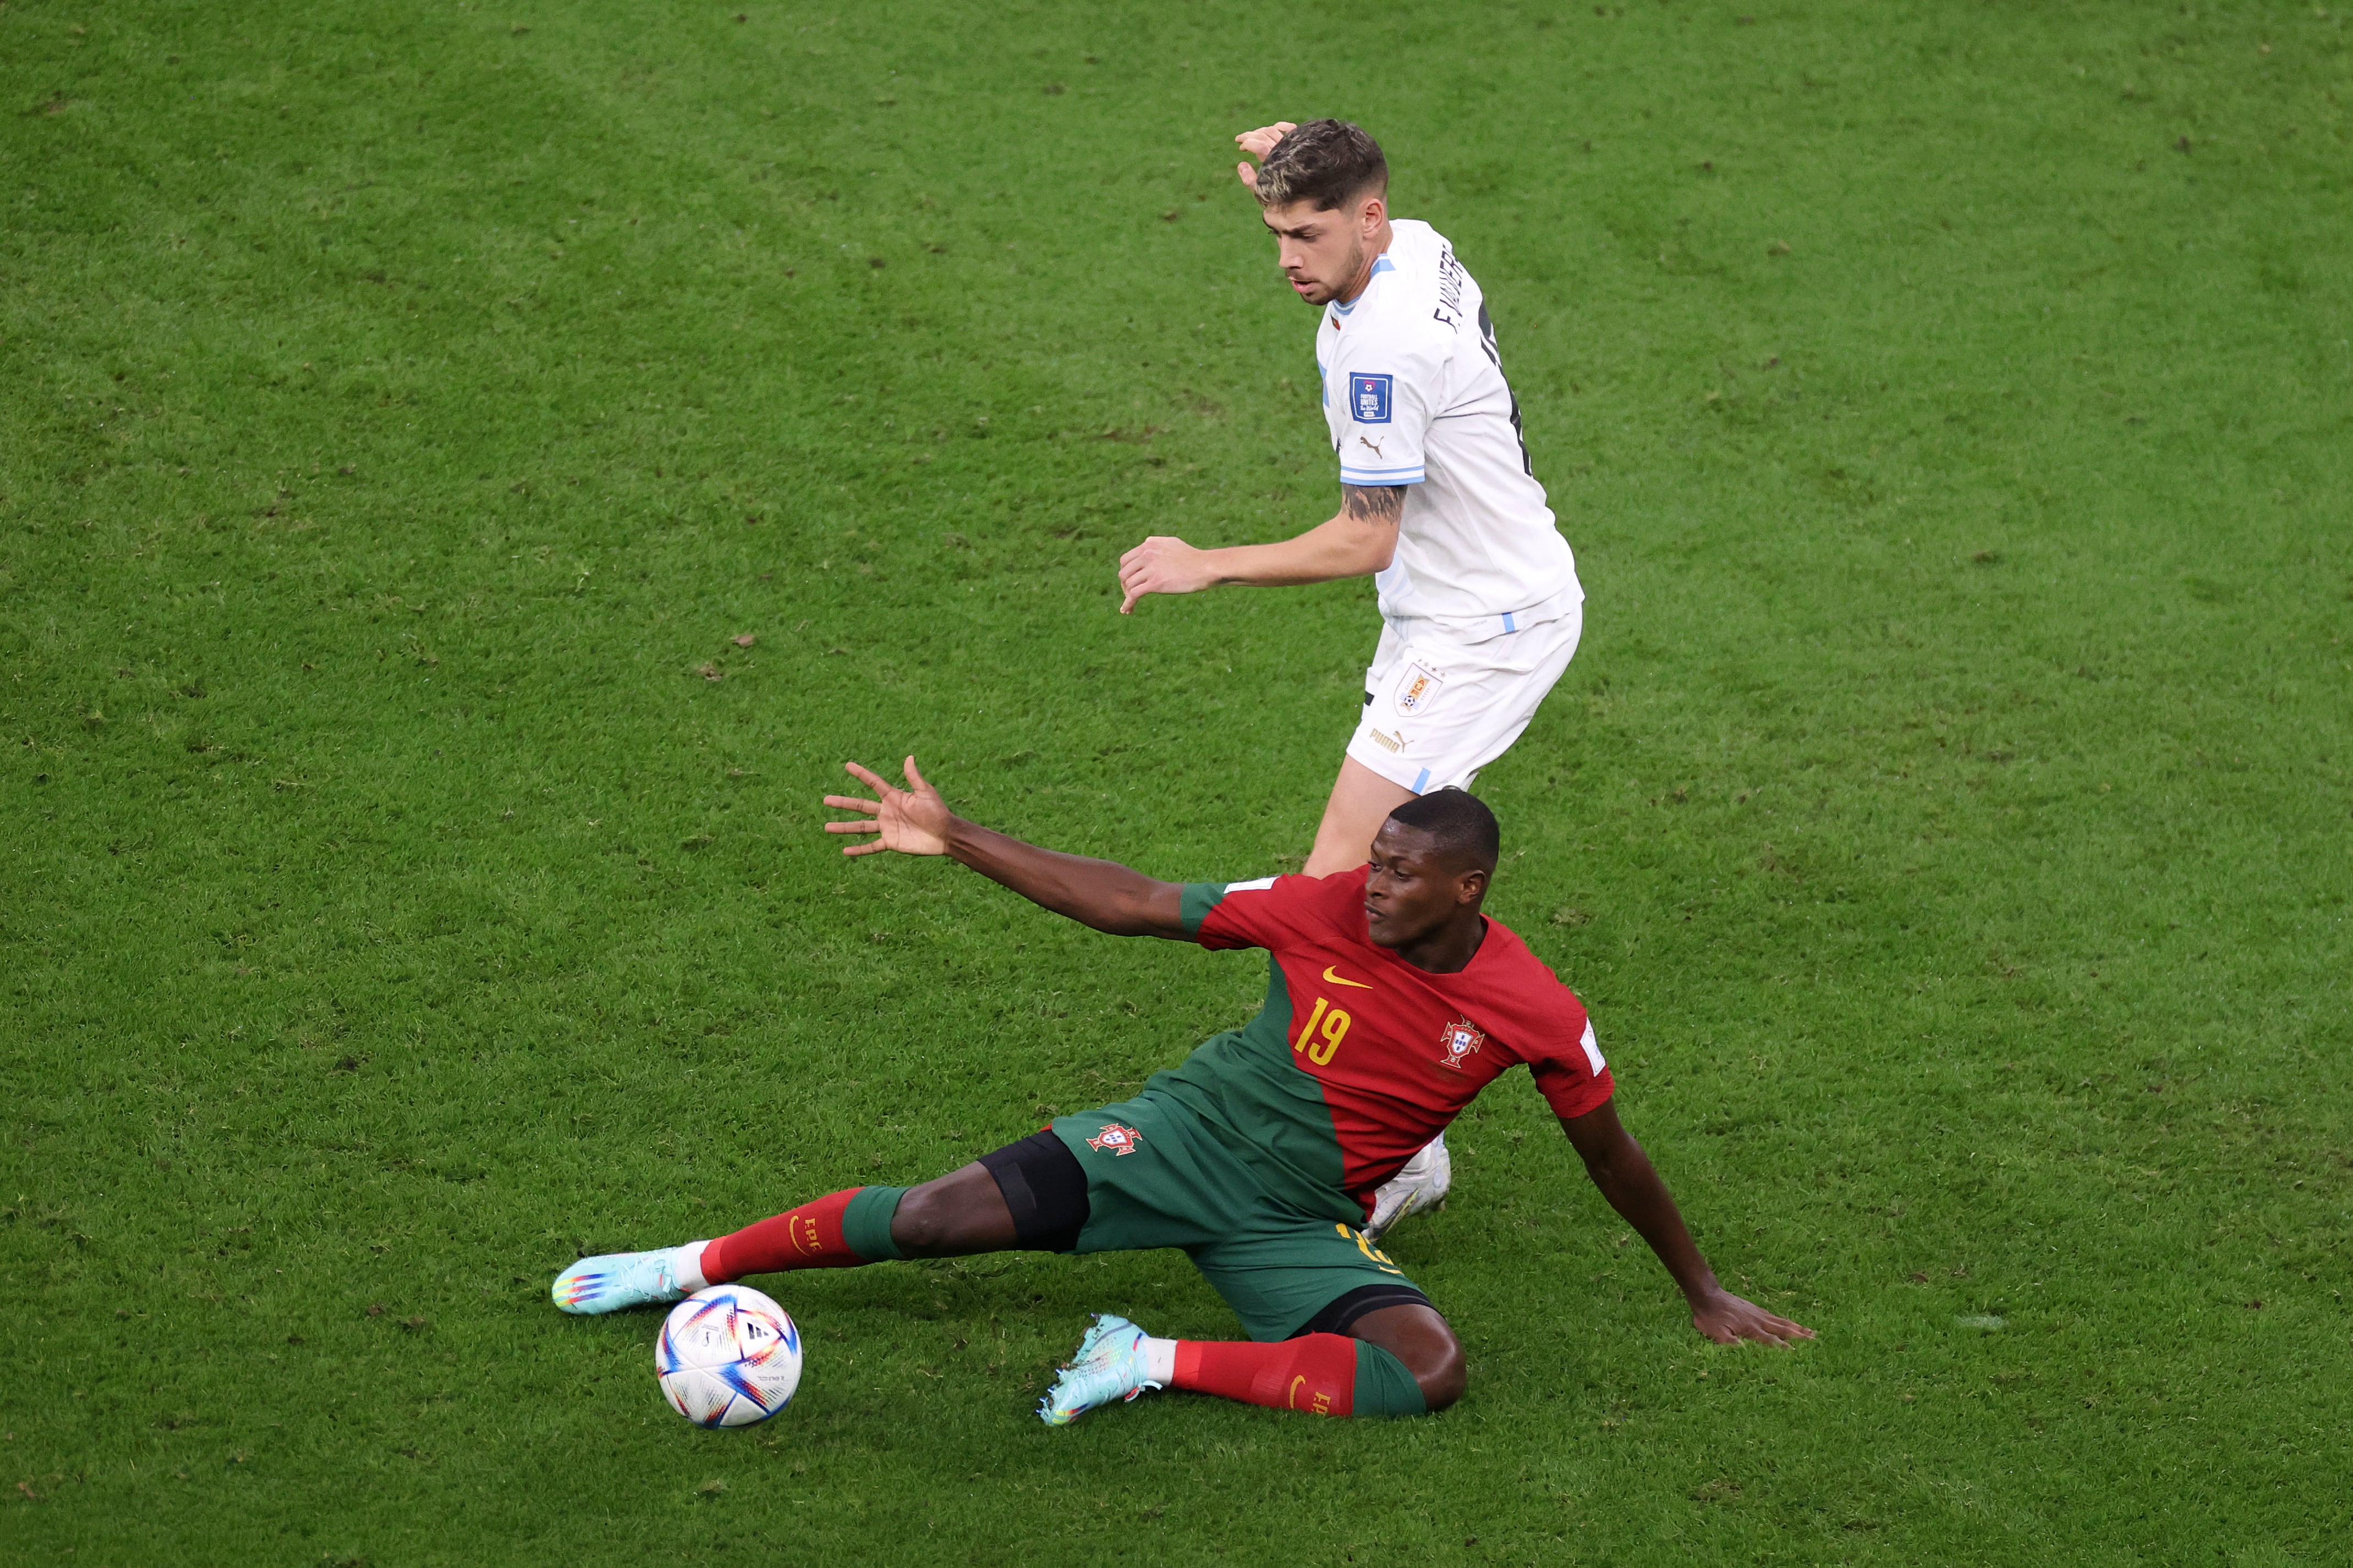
(1422, 1184)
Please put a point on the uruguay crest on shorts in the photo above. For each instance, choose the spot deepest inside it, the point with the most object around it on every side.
(1417, 689)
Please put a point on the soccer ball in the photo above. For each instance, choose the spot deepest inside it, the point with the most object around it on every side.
(728, 1356)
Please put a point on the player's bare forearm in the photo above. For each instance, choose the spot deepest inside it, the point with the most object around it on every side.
(1344, 545)
(1632, 1186)
(1102, 894)
(915, 820)
(1358, 541)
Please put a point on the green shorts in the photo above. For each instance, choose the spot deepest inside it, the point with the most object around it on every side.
(1157, 1177)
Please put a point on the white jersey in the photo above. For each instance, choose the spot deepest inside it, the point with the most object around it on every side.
(1415, 396)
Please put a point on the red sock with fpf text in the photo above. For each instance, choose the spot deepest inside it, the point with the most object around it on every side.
(1316, 1373)
(840, 1230)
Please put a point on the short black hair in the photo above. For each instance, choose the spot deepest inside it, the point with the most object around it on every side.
(1327, 162)
(1459, 820)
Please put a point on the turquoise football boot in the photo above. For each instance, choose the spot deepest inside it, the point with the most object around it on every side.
(613, 1281)
(1109, 1365)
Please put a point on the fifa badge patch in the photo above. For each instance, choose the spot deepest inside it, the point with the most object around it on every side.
(1461, 1040)
(1417, 689)
(1368, 398)
(1117, 1139)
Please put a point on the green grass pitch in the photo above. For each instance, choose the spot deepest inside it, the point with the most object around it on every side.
(468, 475)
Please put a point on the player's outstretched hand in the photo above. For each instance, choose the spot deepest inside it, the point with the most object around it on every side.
(913, 820)
(1727, 1320)
(1162, 565)
(1258, 143)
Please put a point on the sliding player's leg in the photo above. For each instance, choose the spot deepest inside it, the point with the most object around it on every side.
(1423, 1343)
(1336, 1327)
(989, 1205)
(1393, 1356)
(1402, 1359)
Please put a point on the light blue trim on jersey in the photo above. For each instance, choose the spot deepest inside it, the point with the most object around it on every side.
(1350, 476)
(1380, 264)
(1507, 622)
(1419, 783)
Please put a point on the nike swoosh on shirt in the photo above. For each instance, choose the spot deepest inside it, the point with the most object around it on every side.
(1359, 985)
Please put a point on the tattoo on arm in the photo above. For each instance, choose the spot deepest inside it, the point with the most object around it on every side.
(1372, 504)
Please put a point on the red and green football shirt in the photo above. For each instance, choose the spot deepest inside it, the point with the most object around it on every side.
(1358, 1059)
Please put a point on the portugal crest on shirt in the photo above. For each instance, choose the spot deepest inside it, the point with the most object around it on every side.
(1119, 1140)
(1461, 1040)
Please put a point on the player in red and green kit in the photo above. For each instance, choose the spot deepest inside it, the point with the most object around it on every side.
(1392, 1001)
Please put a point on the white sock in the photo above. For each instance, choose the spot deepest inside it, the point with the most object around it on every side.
(1159, 1360)
(686, 1265)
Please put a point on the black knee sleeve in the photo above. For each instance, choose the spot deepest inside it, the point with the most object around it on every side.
(1340, 1314)
(1046, 1188)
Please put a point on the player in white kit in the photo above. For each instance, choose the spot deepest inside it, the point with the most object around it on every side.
(1481, 608)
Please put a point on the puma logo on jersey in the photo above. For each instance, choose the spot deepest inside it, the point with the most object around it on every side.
(1374, 445)
(1335, 980)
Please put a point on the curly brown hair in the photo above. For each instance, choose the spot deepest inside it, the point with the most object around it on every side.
(1327, 162)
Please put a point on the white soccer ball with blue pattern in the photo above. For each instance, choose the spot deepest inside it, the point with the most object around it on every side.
(728, 1356)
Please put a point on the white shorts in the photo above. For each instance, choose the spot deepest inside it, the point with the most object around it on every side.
(1439, 706)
